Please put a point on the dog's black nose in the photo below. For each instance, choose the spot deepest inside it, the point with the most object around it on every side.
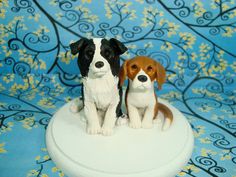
(142, 78)
(99, 64)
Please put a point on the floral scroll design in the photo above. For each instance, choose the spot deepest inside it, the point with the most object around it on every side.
(19, 114)
(42, 163)
(32, 58)
(208, 165)
(204, 163)
(229, 150)
(35, 97)
(219, 19)
(72, 17)
(206, 19)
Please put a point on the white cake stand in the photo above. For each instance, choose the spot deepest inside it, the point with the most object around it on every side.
(128, 153)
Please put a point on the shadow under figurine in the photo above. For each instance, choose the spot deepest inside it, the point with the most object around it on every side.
(99, 64)
(141, 100)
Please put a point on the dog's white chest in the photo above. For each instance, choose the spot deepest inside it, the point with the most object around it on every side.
(101, 91)
(141, 99)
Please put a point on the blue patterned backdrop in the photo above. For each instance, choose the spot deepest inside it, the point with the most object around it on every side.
(193, 39)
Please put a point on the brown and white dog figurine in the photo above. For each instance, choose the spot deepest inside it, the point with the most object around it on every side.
(141, 100)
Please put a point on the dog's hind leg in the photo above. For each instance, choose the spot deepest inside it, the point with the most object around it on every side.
(76, 105)
(167, 114)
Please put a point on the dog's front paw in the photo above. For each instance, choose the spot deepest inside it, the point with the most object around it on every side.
(106, 131)
(146, 124)
(135, 124)
(93, 129)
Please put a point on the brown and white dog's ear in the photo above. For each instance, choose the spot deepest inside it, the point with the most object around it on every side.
(76, 46)
(118, 46)
(160, 75)
(123, 73)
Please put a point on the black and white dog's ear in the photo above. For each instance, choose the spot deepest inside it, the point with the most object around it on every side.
(118, 46)
(76, 46)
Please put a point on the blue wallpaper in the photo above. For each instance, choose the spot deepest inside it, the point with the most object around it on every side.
(193, 39)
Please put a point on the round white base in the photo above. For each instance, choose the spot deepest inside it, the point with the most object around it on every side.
(127, 153)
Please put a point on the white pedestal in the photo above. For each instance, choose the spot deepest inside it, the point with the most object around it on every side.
(128, 153)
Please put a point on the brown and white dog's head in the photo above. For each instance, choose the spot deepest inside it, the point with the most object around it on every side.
(142, 72)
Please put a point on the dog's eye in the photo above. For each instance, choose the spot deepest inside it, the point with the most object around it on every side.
(89, 53)
(134, 67)
(149, 68)
(107, 53)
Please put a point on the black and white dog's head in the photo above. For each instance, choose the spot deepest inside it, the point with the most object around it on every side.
(98, 56)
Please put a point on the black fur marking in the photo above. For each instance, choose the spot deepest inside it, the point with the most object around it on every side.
(82, 93)
(118, 108)
(76, 46)
(118, 46)
(86, 57)
(111, 51)
(110, 54)
(85, 48)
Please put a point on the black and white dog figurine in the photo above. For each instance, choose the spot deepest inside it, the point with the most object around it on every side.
(99, 64)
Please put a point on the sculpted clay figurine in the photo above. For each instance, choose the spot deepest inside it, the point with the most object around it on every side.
(141, 100)
(99, 64)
